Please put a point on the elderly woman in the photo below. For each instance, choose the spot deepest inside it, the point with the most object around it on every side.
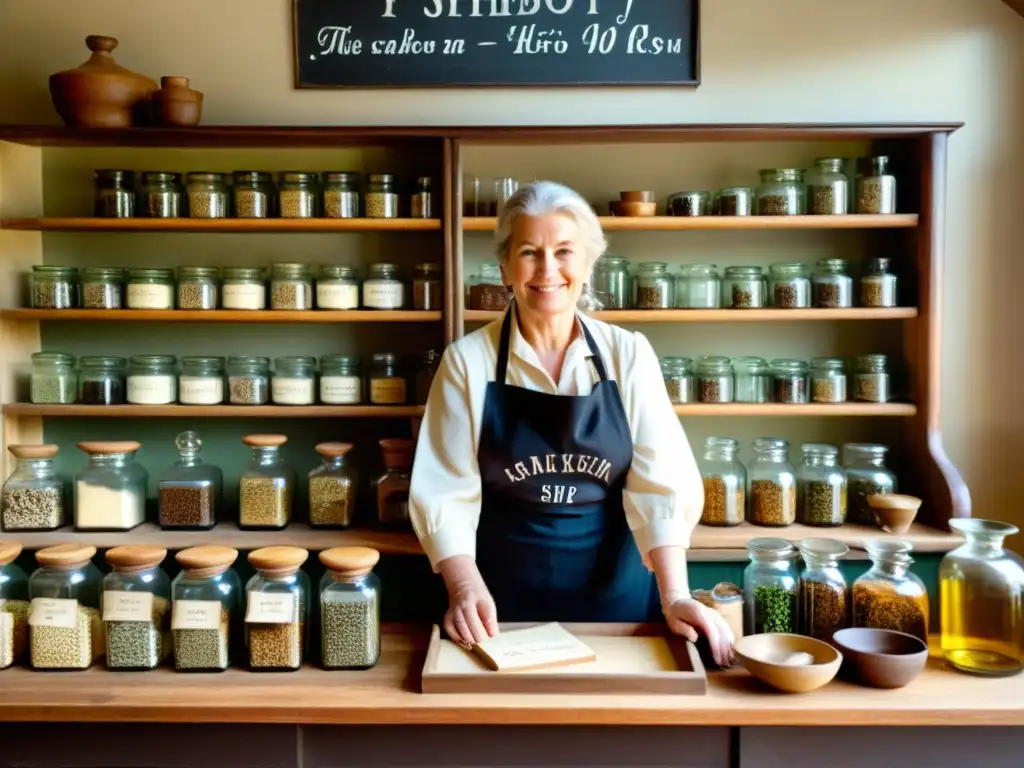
(553, 480)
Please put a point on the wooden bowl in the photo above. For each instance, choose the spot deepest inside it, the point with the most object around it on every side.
(765, 657)
(637, 196)
(637, 209)
(882, 658)
(896, 511)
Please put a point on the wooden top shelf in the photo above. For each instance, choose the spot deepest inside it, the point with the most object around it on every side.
(216, 411)
(221, 316)
(633, 316)
(676, 223)
(89, 224)
(798, 409)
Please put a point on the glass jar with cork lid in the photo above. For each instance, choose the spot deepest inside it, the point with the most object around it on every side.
(190, 490)
(278, 615)
(253, 193)
(332, 488)
(771, 498)
(350, 608)
(387, 384)
(14, 606)
(297, 195)
(820, 487)
(136, 604)
(341, 195)
(205, 616)
(725, 482)
(65, 624)
(267, 485)
(110, 491)
(889, 595)
(33, 496)
(53, 378)
(392, 488)
(824, 595)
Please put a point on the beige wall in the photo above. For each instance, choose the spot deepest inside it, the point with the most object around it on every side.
(763, 61)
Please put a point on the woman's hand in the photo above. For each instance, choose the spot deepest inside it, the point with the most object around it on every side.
(687, 617)
(471, 616)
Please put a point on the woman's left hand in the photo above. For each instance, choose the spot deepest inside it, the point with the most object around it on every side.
(687, 617)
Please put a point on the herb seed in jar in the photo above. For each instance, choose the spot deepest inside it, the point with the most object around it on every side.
(13, 631)
(264, 502)
(207, 195)
(350, 633)
(771, 504)
(196, 649)
(722, 506)
(823, 504)
(186, 507)
(275, 646)
(774, 609)
(68, 647)
(297, 195)
(824, 608)
(882, 607)
(32, 509)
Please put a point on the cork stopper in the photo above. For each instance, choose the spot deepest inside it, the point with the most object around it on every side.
(33, 451)
(350, 562)
(278, 561)
(264, 441)
(207, 560)
(136, 557)
(333, 449)
(65, 556)
(114, 446)
(9, 551)
(398, 452)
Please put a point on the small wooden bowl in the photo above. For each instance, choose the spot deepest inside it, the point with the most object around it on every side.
(763, 656)
(637, 196)
(882, 658)
(637, 209)
(895, 511)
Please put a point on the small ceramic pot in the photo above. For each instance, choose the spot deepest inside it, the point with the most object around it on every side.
(175, 104)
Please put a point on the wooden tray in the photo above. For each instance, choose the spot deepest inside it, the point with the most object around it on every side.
(631, 658)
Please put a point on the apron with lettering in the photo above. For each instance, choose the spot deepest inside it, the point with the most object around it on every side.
(553, 543)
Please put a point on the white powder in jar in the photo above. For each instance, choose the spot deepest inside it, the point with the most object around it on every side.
(383, 294)
(337, 295)
(201, 390)
(341, 390)
(292, 391)
(152, 390)
(102, 508)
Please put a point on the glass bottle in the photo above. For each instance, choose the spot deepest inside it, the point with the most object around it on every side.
(340, 382)
(611, 282)
(267, 485)
(743, 288)
(54, 287)
(350, 608)
(714, 380)
(205, 610)
(689, 203)
(337, 287)
(789, 285)
(115, 194)
(253, 195)
(341, 195)
(150, 289)
(982, 593)
(101, 380)
(207, 195)
(866, 475)
(151, 380)
(888, 595)
(243, 288)
(391, 489)
(65, 624)
(294, 381)
(781, 192)
(14, 606)
(871, 379)
(824, 594)
(833, 286)
(332, 488)
(828, 191)
(32, 498)
(387, 384)
(828, 380)
(753, 380)
(110, 492)
(427, 289)
(201, 381)
(278, 612)
(190, 490)
(772, 497)
(103, 288)
(53, 379)
(655, 286)
(291, 287)
(197, 287)
(161, 195)
(734, 201)
(136, 604)
(488, 293)
(698, 287)
(876, 186)
(504, 188)
(725, 482)
(771, 585)
(425, 375)
(383, 289)
(248, 380)
(878, 285)
(297, 195)
(421, 204)
(380, 196)
(789, 379)
(679, 382)
(820, 487)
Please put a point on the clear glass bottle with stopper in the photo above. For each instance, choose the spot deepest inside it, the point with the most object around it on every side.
(350, 608)
(190, 491)
(14, 606)
(278, 616)
(136, 607)
(33, 496)
(205, 615)
(332, 488)
(267, 486)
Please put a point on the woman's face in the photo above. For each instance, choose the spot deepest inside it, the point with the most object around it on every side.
(547, 266)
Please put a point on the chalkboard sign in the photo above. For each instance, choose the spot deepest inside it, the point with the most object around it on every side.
(418, 43)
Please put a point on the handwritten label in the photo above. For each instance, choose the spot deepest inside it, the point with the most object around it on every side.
(127, 606)
(271, 608)
(53, 612)
(196, 614)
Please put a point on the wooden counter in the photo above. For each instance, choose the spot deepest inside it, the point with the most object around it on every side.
(388, 695)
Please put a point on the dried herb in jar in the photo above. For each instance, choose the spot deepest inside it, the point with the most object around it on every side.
(774, 609)
(880, 606)
(823, 609)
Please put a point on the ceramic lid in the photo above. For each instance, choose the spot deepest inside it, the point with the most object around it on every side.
(264, 441)
(333, 449)
(65, 555)
(9, 551)
(33, 451)
(280, 558)
(206, 556)
(132, 556)
(350, 561)
(114, 446)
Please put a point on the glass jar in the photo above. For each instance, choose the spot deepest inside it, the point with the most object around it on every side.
(248, 380)
(380, 196)
(488, 293)
(267, 485)
(350, 608)
(201, 381)
(772, 495)
(871, 379)
(421, 204)
(789, 381)
(297, 195)
(725, 482)
(743, 288)
(291, 287)
(982, 600)
(337, 287)
(53, 378)
(340, 382)
(243, 288)
(828, 189)
(425, 375)
(341, 195)
(824, 595)
(294, 381)
(679, 382)
(387, 385)
(332, 488)
(161, 195)
(889, 595)
(150, 289)
(714, 380)
(866, 475)
(103, 288)
(65, 625)
(771, 584)
(690, 203)
(753, 380)
(54, 287)
(833, 287)
(698, 287)
(655, 286)
(278, 612)
(391, 489)
(110, 492)
(32, 498)
(14, 606)
(734, 201)
(136, 604)
(427, 289)
(115, 194)
(789, 286)
(820, 487)
(828, 380)
(876, 187)
(781, 192)
(878, 285)
(101, 381)
(610, 283)
(190, 490)
(205, 609)
(207, 196)
(253, 193)
(151, 380)
(383, 289)
(197, 287)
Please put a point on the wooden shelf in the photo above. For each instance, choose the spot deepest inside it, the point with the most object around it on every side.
(633, 316)
(220, 316)
(87, 224)
(923, 537)
(215, 411)
(801, 409)
(676, 223)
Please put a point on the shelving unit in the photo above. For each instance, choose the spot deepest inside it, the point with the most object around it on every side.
(680, 224)
(219, 316)
(638, 316)
(221, 225)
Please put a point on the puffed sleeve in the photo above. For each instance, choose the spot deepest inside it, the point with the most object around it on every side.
(664, 494)
(444, 492)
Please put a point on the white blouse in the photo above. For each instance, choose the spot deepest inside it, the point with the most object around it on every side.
(663, 495)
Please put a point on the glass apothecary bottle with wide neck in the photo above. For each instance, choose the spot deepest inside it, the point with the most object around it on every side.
(350, 608)
(101, 380)
(866, 475)
(782, 192)
(828, 188)
(248, 380)
(136, 607)
(771, 587)
(65, 624)
(33, 496)
(698, 287)
(340, 382)
(294, 381)
(152, 380)
(772, 496)
(190, 490)
(611, 283)
(278, 615)
(889, 595)
(744, 288)
(198, 287)
(291, 287)
(391, 489)
(201, 381)
(824, 595)
(253, 193)
(725, 482)
(207, 596)
(789, 285)
(753, 380)
(715, 379)
(332, 488)
(828, 380)
(821, 487)
(267, 485)
(54, 287)
(679, 380)
(53, 379)
(383, 289)
(833, 286)
(14, 606)
(244, 288)
(337, 287)
(150, 289)
(103, 287)
(110, 491)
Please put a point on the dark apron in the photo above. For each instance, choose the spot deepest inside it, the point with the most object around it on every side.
(553, 543)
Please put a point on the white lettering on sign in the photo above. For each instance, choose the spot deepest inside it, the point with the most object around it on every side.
(529, 41)
(336, 40)
(640, 41)
(127, 606)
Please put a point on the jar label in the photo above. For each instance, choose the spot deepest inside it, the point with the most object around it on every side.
(196, 614)
(53, 612)
(341, 390)
(390, 391)
(151, 390)
(150, 296)
(287, 391)
(127, 606)
(379, 294)
(337, 296)
(201, 390)
(271, 608)
(244, 296)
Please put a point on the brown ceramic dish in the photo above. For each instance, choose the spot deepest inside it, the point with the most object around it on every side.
(882, 658)
(175, 104)
(638, 209)
(769, 658)
(895, 511)
(637, 196)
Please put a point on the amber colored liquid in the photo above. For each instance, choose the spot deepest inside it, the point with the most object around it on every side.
(981, 629)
